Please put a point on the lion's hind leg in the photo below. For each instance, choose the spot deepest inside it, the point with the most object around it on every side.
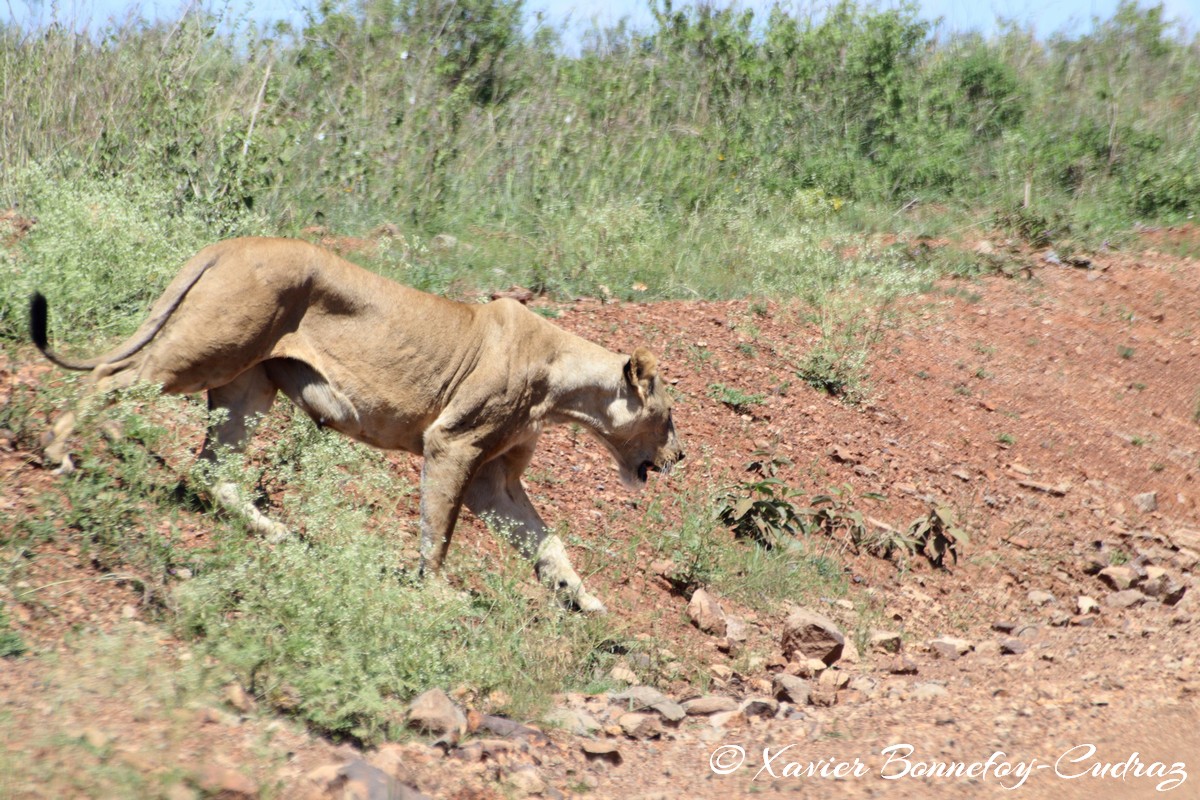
(232, 406)
(99, 386)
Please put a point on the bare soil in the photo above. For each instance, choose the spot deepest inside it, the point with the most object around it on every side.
(1036, 408)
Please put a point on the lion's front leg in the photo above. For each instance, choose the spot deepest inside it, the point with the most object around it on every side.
(497, 496)
(449, 465)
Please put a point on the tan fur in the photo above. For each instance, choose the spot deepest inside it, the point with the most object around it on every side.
(469, 387)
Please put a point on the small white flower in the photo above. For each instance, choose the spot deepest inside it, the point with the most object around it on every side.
(567, 119)
(320, 137)
(404, 55)
(412, 99)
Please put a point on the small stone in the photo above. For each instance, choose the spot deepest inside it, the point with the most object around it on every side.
(709, 704)
(639, 698)
(706, 614)
(886, 642)
(623, 674)
(1013, 647)
(928, 692)
(601, 750)
(1118, 578)
(636, 725)
(1146, 502)
(1185, 539)
(576, 721)
(181, 791)
(1087, 605)
(236, 696)
(902, 665)
(987, 649)
(949, 647)
(727, 719)
(1129, 598)
(1040, 598)
(392, 760)
(833, 679)
(720, 671)
(760, 707)
(226, 783)
(735, 629)
(806, 667)
(525, 781)
(432, 711)
(792, 689)
(1161, 585)
(808, 634)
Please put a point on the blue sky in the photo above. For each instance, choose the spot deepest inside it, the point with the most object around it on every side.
(1046, 16)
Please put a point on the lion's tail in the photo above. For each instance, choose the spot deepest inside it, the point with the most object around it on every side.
(39, 328)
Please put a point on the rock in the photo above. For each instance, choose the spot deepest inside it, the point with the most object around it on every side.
(928, 692)
(514, 292)
(849, 653)
(792, 689)
(1040, 598)
(226, 784)
(575, 721)
(1012, 647)
(525, 781)
(1161, 585)
(1118, 578)
(432, 711)
(720, 672)
(443, 242)
(392, 759)
(180, 791)
(823, 698)
(601, 750)
(639, 698)
(735, 629)
(886, 642)
(356, 780)
(623, 674)
(706, 614)
(508, 729)
(760, 707)
(1129, 598)
(950, 647)
(1185, 539)
(636, 725)
(806, 667)
(902, 665)
(1087, 605)
(833, 679)
(1146, 502)
(808, 634)
(727, 719)
(709, 704)
(987, 649)
(236, 696)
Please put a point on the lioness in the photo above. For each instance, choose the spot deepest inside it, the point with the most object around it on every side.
(469, 387)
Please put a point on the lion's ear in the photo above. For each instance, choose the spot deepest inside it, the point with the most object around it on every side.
(640, 370)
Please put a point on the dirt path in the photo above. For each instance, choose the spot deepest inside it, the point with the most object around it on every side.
(1056, 416)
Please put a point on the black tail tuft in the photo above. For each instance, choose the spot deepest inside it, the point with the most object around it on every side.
(38, 315)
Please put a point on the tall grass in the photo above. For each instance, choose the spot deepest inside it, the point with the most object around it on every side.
(440, 116)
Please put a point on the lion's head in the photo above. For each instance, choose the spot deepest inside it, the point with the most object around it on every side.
(643, 432)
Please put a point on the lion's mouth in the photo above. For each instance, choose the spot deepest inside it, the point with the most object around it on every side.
(644, 469)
